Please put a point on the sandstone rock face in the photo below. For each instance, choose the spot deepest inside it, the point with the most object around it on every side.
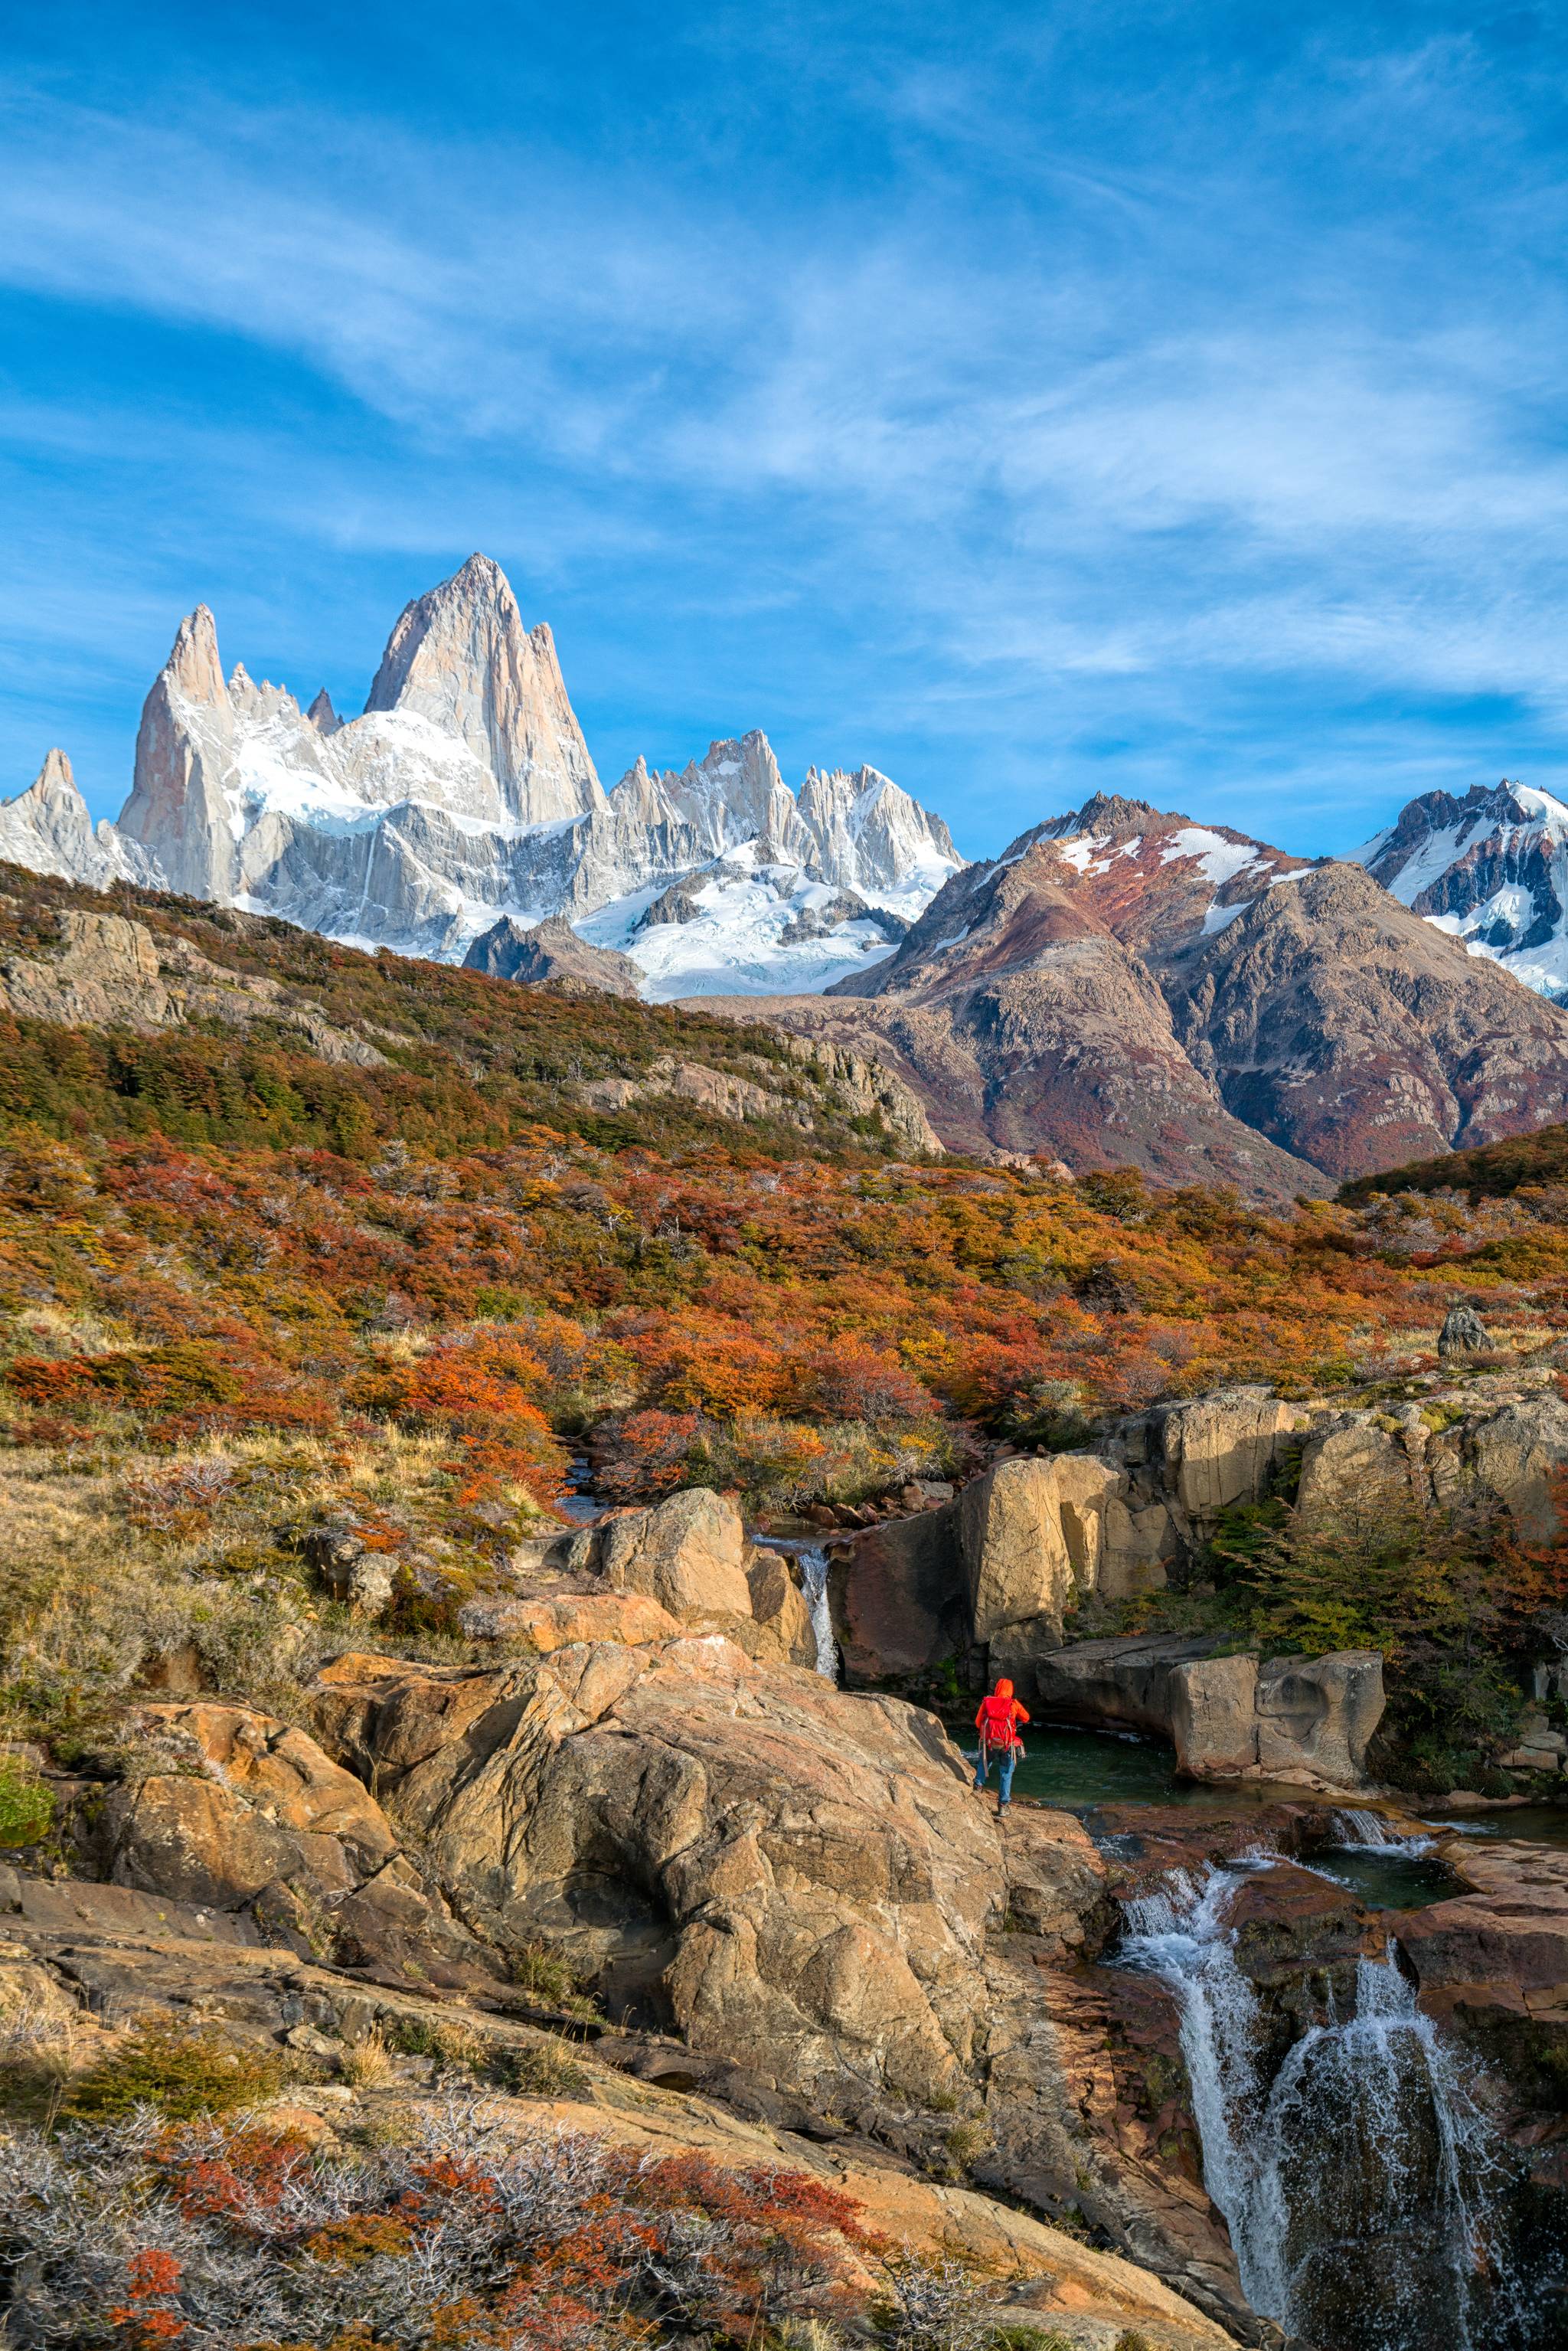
(778, 1608)
(1516, 1453)
(552, 951)
(1317, 1715)
(461, 657)
(251, 1815)
(1222, 1449)
(798, 1879)
(1030, 1532)
(1214, 1716)
(898, 1597)
(1511, 1452)
(1351, 1462)
(109, 972)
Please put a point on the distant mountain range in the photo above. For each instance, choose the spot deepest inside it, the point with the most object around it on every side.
(1122, 984)
(465, 795)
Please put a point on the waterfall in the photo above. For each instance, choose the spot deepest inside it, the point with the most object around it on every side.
(1361, 2186)
(1362, 1832)
(814, 1582)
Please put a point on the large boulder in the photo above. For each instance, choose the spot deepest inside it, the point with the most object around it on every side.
(1214, 1716)
(249, 1814)
(688, 1553)
(1317, 1715)
(1031, 1533)
(1304, 1720)
(796, 1879)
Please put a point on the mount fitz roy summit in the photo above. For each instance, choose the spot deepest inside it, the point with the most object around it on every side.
(465, 799)
(1121, 986)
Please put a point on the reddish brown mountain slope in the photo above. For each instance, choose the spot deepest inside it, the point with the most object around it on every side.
(1126, 986)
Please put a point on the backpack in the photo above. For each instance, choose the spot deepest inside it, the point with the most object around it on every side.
(998, 1729)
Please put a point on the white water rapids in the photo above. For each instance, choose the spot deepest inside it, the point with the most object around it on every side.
(813, 1561)
(1359, 2184)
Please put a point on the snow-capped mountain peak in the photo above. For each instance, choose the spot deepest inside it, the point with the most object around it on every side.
(464, 796)
(1490, 869)
(48, 829)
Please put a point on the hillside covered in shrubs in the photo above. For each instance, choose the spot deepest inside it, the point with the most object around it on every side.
(254, 1290)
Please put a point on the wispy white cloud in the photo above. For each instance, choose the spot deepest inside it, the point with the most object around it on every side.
(1082, 440)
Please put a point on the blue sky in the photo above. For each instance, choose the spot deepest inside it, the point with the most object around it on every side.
(1030, 399)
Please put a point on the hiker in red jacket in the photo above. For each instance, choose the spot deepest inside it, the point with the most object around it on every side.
(998, 1723)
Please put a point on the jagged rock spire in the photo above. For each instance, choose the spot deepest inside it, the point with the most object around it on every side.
(461, 657)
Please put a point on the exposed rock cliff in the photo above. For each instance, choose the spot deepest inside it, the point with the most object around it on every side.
(48, 829)
(461, 657)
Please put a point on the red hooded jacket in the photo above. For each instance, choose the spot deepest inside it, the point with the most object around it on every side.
(999, 1716)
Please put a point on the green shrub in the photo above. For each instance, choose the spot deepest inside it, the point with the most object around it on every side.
(27, 1806)
(181, 2074)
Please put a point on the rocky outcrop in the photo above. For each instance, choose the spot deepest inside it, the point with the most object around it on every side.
(110, 973)
(236, 1813)
(858, 1089)
(1509, 1449)
(48, 829)
(691, 1556)
(460, 657)
(793, 1878)
(898, 1598)
(1492, 1964)
(1305, 1721)
(688, 1553)
(1034, 1537)
(552, 951)
(86, 1961)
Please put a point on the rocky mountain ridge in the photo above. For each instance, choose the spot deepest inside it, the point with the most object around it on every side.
(1124, 986)
(464, 795)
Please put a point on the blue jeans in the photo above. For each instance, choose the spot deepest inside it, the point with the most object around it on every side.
(1005, 1760)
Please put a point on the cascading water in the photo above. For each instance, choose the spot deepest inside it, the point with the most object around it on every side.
(1362, 1832)
(813, 1562)
(1361, 2184)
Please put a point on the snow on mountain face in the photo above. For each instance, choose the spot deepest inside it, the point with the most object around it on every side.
(1492, 869)
(465, 795)
(48, 829)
